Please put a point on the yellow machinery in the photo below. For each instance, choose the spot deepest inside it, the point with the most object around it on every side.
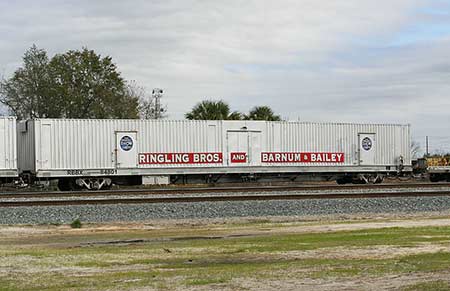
(438, 161)
(438, 168)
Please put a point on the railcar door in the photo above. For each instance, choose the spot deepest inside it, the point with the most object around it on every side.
(244, 148)
(45, 146)
(126, 149)
(255, 148)
(367, 146)
(237, 148)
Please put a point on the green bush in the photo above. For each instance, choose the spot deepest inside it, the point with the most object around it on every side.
(76, 223)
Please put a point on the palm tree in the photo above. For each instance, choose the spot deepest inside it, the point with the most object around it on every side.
(262, 113)
(212, 110)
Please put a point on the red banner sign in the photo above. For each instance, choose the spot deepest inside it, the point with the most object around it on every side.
(240, 157)
(179, 158)
(286, 157)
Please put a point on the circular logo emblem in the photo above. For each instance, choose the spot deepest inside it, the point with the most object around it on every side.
(366, 143)
(126, 143)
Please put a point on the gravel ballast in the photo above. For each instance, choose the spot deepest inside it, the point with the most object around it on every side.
(146, 212)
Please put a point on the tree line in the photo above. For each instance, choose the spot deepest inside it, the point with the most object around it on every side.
(83, 84)
(75, 84)
(219, 110)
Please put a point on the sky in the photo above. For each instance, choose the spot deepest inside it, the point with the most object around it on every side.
(380, 61)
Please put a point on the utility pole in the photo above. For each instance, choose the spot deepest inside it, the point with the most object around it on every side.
(426, 146)
(157, 94)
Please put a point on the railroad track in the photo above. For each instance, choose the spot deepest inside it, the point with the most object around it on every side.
(220, 198)
(200, 190)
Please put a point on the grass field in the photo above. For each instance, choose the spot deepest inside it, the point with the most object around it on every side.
(262, 255)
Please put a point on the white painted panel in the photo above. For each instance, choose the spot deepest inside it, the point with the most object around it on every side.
(392, 141)
(126, 149)
(255, 148)
(238, 146)
(212, 138)
(91, 144)
(8, 144)
(367, 149)
(155, 180)
(46, 146)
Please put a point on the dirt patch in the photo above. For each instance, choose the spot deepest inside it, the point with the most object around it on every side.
(171, 230)
(367, 225)
(391, 282)
(132, 235)
(373, 252)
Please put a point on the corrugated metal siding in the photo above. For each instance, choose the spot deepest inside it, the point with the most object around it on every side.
(90, 144)
(392, 141)
(8, 145)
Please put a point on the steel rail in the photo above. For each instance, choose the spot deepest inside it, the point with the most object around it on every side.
(222, 198)
(182, 190)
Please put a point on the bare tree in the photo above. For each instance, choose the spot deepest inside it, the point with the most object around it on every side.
(147, 106)
(415, 149)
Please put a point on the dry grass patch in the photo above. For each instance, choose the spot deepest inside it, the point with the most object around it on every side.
(224, 256)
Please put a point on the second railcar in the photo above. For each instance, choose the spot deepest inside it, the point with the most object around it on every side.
(97, 153)
(8, 150)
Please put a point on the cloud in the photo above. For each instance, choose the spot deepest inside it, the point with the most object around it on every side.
(353, 60)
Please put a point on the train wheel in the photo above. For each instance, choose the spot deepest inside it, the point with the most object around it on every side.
(435, 178)
(347, 179)
(341, 181)
(65, 184)
(92, 183)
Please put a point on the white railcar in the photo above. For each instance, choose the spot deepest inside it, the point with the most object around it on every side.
(8, 149)
(93, 153)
